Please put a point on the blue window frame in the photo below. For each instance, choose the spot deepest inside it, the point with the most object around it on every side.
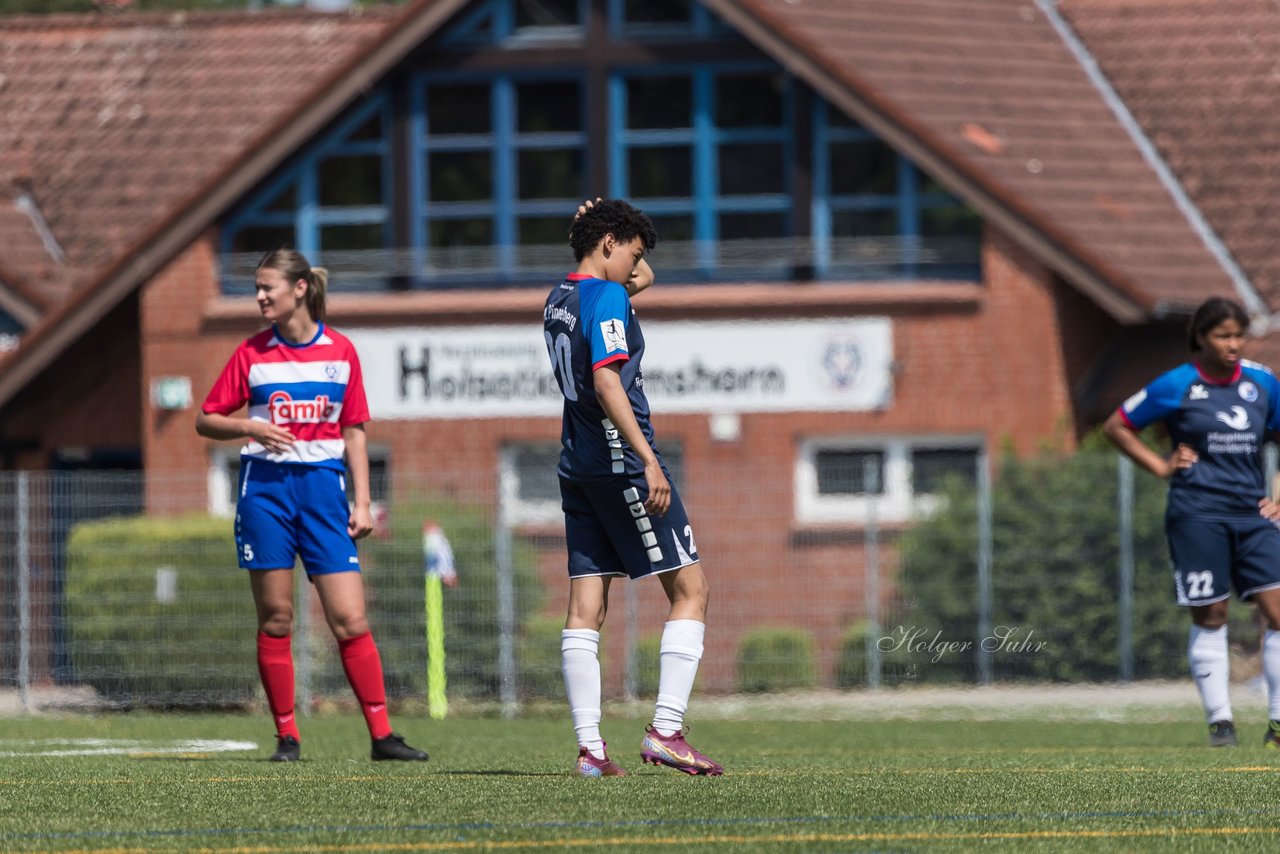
(332, 204)
(663, 20)
(496, 161)
(705, 151)
(517, 22)
(876, 215)
(498, 164)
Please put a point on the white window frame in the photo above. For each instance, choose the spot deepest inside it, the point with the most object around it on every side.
(220, 484)
(896, 503)
(516, 510)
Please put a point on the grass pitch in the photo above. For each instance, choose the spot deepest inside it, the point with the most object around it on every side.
(142, 782)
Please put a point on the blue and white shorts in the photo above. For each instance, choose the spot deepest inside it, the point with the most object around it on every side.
(293, 510)
(1211, 556)
(608, 531)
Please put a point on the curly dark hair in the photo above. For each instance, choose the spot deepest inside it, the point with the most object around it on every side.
(611, 216)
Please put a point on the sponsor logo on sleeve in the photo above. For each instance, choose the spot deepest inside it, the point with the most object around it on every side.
(615, 335)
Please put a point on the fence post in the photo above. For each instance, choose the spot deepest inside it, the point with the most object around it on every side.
(871, 572)
(1124, 497)
(23, 506)
(506, 594)
(984, 566)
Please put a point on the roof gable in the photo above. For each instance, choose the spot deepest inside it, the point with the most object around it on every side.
(987, 95)
(1200, 75)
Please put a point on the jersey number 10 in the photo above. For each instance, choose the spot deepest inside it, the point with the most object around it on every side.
(559, 352)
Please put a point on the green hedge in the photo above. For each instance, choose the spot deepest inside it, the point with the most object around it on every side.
(200, 648)
(133, 648)
(538, 656)
(776, 659)
(1055, 557)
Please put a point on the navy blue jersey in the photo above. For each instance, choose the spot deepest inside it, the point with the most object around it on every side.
(1225, 422)
(590, 323)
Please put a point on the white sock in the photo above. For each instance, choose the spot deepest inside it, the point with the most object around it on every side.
(1271, 669)
(580, 662)
(1210, 667)
(678, 659)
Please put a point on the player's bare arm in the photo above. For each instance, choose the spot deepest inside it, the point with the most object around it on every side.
(641, 278)
(212, 425)
(360, 524)
(1129, 443)
(615, 403)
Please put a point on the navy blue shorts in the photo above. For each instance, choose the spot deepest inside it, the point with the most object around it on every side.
(289, 510)
(609, 532)
(1210, 557)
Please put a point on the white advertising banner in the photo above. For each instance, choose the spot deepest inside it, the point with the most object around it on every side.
(720, 366)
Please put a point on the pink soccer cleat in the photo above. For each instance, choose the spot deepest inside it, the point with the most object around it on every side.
(589, 766)
(673, 751)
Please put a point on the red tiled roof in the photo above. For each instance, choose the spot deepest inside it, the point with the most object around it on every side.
(1201, 77)
(993, 86)
(26, 266)
(110, 122)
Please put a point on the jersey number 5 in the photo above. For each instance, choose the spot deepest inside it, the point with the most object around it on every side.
(559, 350)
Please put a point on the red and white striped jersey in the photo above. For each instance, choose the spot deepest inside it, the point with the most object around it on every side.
(313, 390)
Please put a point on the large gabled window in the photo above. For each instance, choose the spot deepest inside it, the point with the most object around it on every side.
(465, 169)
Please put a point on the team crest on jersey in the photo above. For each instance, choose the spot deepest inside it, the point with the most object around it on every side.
(615, 335)
(1199, 392)
(331, 371)
(1248, 391)
(285, 410)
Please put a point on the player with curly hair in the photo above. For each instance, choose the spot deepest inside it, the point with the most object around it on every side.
(623, 516)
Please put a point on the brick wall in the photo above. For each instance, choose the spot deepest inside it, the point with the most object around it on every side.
(997, 367)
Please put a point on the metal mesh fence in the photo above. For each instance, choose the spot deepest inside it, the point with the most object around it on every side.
(1050, 569)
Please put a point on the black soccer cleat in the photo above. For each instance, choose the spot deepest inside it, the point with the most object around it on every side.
(1222, 734)
(287, 749)
(393, 747)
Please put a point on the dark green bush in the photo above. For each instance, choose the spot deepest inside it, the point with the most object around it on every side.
(197, 649)
(776, 659)
(851, 663)
(1055, 558)
(538, 655)
(648, 648)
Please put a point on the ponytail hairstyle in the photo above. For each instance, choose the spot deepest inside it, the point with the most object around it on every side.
(1211, 312)
(293, 266)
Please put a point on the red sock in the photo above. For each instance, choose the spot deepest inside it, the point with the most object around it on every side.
(275, 666)
(363, 665)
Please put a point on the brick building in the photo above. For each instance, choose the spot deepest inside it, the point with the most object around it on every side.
(976, 220)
